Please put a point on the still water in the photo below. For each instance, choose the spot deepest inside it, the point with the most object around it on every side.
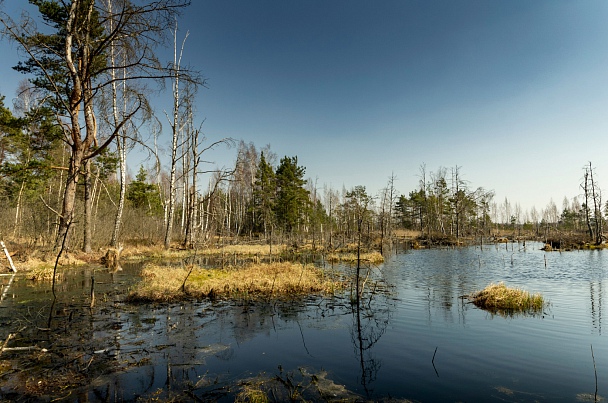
(414, 337)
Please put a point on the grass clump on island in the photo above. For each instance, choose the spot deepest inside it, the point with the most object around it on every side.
(499, 297)
(349, 257)
(279, 280)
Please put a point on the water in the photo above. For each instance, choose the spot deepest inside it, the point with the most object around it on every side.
(415, 338)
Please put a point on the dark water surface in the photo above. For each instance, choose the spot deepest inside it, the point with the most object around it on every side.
(414, 338)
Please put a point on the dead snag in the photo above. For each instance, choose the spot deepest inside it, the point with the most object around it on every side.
(111, 260)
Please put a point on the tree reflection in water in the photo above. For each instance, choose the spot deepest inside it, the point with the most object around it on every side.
(371, 311)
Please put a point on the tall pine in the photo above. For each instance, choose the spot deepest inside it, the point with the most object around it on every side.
(292, 201)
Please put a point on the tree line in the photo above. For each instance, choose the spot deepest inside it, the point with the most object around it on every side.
(92, 67)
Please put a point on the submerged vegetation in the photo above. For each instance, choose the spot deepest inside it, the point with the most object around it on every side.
(500, 298)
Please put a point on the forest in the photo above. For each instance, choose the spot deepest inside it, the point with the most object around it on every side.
(84, 104)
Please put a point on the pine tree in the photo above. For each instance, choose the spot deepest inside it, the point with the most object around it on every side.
(292, 202)
(264, 193)
(144, 195)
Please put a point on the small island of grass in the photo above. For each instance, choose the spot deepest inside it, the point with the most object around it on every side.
(499, 297)
(254, 281)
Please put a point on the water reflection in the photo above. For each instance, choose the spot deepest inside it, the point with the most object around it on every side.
(595, 292)
(409, 335)
(371, 310)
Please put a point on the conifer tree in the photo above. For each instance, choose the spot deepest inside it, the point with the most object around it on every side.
(292, 198)
(264, 193)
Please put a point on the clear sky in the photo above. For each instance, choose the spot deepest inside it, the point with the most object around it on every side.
(514, 92)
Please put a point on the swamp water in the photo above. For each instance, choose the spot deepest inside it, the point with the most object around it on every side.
(414, 338)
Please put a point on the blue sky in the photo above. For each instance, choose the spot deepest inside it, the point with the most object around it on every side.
(513, 92)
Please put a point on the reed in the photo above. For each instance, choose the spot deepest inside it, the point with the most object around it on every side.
(255, 281)
(500, 297)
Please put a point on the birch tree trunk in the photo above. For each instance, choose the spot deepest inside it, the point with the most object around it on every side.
(121, 141)
(175, 126)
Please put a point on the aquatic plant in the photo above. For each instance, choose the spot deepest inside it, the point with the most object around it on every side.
(499, 297)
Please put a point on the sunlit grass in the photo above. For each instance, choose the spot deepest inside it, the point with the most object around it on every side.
(242, 250)
(42, 273)
(158, 252)
(500, 297)
(282, 280)
(368, 257)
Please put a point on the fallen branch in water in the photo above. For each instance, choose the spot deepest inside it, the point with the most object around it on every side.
(10, 336)
(27, 348)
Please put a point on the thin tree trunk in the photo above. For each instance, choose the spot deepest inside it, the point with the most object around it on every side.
(121, 141)
(175, 132)
(88, 208)
(18, 210)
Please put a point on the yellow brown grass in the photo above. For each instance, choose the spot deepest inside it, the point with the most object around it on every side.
(406, 233)
(242, 250)
(282, 280)
(499, 297)
(158, 252)
(368, 257)
(44, 274)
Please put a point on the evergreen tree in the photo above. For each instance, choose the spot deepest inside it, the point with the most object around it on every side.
(292, 201)
(25, 150)
(264, 193)
(144, 195)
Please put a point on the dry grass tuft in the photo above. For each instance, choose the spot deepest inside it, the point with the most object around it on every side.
(243, 250)
(499, 297)
(406, 233)
(41, 263)
(369, 257)
(158, 252)
(251, 392)
(44, 274)
(282, 280)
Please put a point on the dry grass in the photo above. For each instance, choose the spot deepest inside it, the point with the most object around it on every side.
(44, 274)
(406, 233)
(499, 297)
(368, 257)
(41, 268)
(251, 392)
(158, 252)
(280, 280)
(242, 250)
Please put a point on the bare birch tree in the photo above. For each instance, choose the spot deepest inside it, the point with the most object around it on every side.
(175, 132)
(70, 65)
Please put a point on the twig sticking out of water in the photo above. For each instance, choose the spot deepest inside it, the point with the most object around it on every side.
(433, 361)
(595, 372)
(92, 290)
